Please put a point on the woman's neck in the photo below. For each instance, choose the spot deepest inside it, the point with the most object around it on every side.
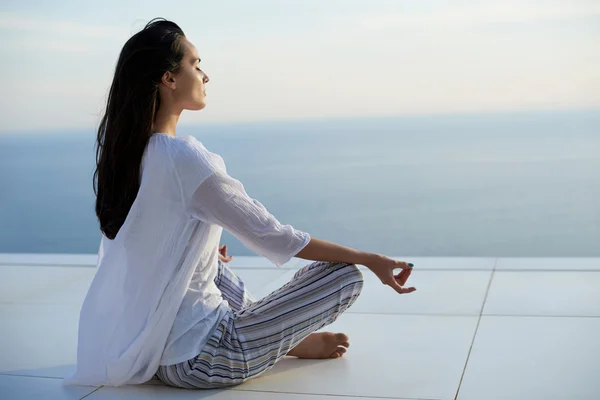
(165, 121)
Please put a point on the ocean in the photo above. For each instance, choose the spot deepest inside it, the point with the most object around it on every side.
(521, 184)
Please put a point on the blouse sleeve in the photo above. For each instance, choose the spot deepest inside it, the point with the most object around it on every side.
(222, 200)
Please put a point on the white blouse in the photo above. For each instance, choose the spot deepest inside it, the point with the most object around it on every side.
(153, 300)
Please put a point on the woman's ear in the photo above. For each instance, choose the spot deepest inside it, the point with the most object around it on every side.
(168, 79)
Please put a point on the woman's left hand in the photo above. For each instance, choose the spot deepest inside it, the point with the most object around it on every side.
(223, 254)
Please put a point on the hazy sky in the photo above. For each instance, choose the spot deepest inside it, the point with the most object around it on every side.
(309, 58)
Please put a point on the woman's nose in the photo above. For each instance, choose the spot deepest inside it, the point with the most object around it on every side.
(206, 78)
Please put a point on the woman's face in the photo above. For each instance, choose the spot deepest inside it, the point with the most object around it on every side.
(189, 83)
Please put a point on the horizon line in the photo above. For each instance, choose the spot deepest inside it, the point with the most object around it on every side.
(332, 118)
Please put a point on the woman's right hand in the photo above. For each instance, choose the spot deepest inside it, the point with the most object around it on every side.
(384, 267)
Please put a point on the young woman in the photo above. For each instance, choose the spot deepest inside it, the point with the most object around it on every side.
(162, 301)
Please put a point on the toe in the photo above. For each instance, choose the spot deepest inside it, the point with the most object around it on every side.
(346, 344)
(341, 337)
(338, 352)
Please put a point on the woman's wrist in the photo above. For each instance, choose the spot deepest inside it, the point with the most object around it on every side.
(366, 258)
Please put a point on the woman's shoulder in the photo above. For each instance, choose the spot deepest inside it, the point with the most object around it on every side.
(188, 152)
(178, 146)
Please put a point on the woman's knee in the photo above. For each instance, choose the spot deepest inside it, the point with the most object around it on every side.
(351, 274)
(348, 273)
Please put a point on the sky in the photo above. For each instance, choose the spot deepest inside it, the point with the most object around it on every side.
(308, 59)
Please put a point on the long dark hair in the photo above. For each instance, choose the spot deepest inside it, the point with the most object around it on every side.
(127, 124)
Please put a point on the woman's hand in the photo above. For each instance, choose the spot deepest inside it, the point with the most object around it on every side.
(223, 254)
(384, 267)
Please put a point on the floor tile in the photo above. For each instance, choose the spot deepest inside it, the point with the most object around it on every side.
(154, 392)
(38, 340)
(555, 263)
(29, 388)
(534, 358)
(22, 284)
(438, 292)
(551, 293)
(396, 356)
(49, 259)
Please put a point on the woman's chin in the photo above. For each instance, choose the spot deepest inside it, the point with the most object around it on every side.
(199, 106)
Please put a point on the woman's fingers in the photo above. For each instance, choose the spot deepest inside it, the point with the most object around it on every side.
(399, 280)
(403, 265)
(223, 250)
(402, 277)
(399, 289)
(223, 254)
(408, 290)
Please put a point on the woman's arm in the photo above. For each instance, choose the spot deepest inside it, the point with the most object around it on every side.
(321, 250)
(380, 265)
(222, 200)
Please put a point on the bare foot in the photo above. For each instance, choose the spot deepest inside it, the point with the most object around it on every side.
(321, 345)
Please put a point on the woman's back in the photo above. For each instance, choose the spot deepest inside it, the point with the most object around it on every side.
(144, 274)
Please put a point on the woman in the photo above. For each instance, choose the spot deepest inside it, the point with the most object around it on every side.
(162, 302)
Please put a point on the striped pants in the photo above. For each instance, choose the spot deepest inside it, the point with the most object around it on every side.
(254, 335)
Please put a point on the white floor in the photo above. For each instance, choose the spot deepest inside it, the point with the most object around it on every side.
(476, 329)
